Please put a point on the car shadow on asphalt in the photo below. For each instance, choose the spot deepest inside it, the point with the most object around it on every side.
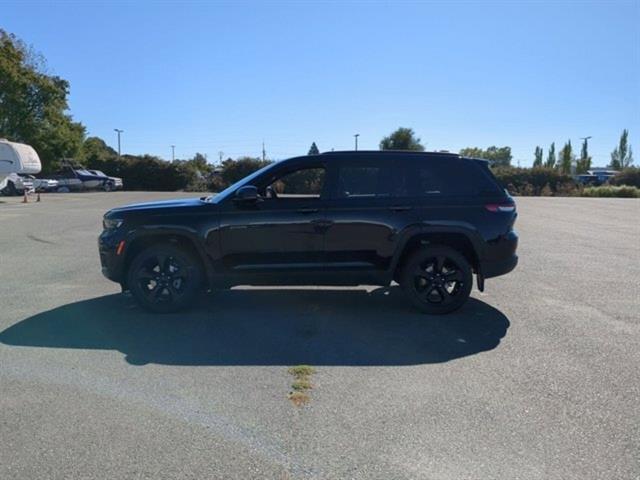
(269, 327)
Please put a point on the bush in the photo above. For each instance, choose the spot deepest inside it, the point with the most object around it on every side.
(611, 191)
(535, 181)
(628, 176)
(234, 170)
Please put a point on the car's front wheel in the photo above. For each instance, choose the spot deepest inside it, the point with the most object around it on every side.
(165, 278)
(10, 190)
(437, 279)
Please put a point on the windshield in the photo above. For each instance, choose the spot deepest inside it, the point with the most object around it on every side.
(232, 188)
(98, 172)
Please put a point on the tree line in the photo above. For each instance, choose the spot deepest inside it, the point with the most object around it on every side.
(34, 110)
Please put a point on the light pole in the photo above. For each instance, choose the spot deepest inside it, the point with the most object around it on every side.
(119, 132)
(173, 153)
(356, 137)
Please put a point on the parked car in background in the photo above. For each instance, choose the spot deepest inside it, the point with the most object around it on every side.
(45, 184)
(16, 184)
(586, 179)
(113, 183)
(596, 176)
(73, 178)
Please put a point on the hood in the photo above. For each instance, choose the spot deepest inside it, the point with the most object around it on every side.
(159, 206)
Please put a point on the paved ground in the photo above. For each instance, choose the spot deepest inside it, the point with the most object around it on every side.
(537, 378)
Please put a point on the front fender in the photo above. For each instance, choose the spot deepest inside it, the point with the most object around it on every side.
(172, 233)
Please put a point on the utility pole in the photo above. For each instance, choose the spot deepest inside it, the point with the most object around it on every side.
(119, 132)
(220, 155)
(173, 153)
(264, 153)
(356, 137)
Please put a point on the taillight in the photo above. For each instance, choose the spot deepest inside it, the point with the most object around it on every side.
(500, 207)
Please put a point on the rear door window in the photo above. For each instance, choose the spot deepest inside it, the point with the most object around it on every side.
(364, 179)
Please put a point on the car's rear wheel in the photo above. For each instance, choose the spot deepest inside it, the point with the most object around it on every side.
(437, 279)
(165, 278)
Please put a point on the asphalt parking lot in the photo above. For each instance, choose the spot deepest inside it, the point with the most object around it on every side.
(536, 378)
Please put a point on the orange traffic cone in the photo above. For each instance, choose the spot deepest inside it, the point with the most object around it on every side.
(25, 199)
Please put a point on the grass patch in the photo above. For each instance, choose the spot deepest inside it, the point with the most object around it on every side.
(302, 370)
(299, 398)
(301, 384)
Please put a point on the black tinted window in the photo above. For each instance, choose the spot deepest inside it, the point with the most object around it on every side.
(445, 176)
(364, 180)
(303, 183)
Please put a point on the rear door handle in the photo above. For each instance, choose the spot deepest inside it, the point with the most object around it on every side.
(322, 222)
(307, 210)
(400, 208)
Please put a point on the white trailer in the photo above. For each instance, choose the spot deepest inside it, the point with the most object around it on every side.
(17, 158)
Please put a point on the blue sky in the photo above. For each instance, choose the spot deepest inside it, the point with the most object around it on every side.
(218, 76)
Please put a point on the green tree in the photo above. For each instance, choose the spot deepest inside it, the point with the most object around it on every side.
(33, 105)
(584, 162)
(566, 158)
(497, 156)
(402, 139)
(95, 152)
(537, 162)
(551, 156)
(314, 149)
(622, 156)
(234, 170)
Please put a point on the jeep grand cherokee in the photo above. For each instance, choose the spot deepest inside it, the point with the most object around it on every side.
(428, 221)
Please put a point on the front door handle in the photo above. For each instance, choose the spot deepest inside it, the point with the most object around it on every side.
(400, 208)
(307, 210)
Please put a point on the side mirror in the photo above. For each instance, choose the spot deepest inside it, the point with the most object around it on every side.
(247, 194)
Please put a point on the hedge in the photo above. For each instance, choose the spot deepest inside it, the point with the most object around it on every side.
(624, 191)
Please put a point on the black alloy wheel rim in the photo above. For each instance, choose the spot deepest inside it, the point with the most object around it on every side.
(163, 278)
(438, 280)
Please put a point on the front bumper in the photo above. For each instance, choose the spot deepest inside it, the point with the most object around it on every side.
(112, 263)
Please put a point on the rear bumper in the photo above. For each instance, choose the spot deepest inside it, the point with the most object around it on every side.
(497, 268)
(500, 257)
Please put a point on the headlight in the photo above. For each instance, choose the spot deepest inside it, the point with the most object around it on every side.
(111, 223)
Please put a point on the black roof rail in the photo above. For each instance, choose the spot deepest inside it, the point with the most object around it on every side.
(395, 152)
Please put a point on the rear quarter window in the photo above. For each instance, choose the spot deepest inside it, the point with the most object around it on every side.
(444, 177)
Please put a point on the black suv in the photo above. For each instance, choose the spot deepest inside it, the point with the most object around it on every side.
(426, 220)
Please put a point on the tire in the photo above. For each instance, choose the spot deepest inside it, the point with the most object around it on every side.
(10, 190)
(437, 279)
(108, 186)
(165, 278)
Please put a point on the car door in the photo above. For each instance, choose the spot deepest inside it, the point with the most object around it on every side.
(361, 214)
(281, 233)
